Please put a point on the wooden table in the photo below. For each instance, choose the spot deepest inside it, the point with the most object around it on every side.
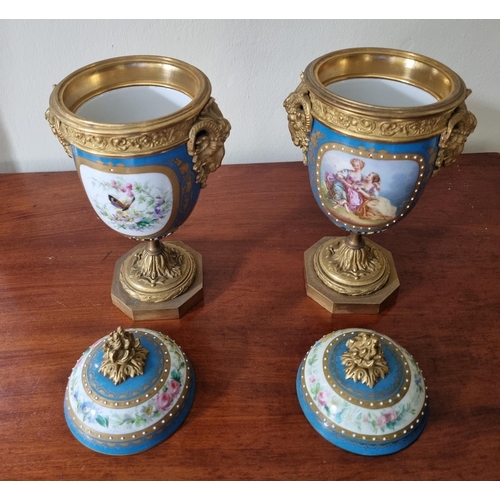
(247, 338)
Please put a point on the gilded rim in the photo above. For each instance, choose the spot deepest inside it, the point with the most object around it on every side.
(389, 123)
(119, 72)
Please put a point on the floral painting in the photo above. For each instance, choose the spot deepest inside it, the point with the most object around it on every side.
(151, 412)
(134, 205)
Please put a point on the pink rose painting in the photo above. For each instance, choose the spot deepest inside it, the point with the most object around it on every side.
(321, 398)
(174, 387)
(387, 419)
(390, 416)
(163, 401)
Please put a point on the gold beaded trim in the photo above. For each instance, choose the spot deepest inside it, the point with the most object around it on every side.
(131, 436)
(358, 435)
(376, 129)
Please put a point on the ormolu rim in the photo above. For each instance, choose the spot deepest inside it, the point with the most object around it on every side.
(406, 67)
(119, 72)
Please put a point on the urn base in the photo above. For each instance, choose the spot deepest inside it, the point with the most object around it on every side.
(170, 309)
(338, 303)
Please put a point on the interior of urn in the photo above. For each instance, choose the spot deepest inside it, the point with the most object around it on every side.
(134, 89)
(132, 104)
(386, 77)
(382, 92)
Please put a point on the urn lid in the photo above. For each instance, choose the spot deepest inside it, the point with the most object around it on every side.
(362, 392)
(129, 392)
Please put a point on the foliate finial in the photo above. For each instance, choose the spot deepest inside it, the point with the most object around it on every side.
(124, 356)
(364, 360)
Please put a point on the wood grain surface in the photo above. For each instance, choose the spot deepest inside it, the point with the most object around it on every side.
(246, 339)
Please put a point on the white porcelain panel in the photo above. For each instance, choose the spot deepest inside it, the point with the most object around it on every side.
(135, 205)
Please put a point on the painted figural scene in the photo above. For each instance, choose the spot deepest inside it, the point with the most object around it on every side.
(366, 191)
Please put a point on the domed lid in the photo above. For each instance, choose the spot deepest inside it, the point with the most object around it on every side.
(128, 392)
(362, 392)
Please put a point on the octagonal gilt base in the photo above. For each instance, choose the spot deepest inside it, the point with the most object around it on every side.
(170, 309)
(338, 303)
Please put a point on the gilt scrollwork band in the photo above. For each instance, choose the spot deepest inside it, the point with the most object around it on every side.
(153, 141)
(298, 108)
(205, 134)
(360, 126)
(206, 141)
(302, 106)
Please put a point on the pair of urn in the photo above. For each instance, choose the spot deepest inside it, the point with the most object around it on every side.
(144, 132)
